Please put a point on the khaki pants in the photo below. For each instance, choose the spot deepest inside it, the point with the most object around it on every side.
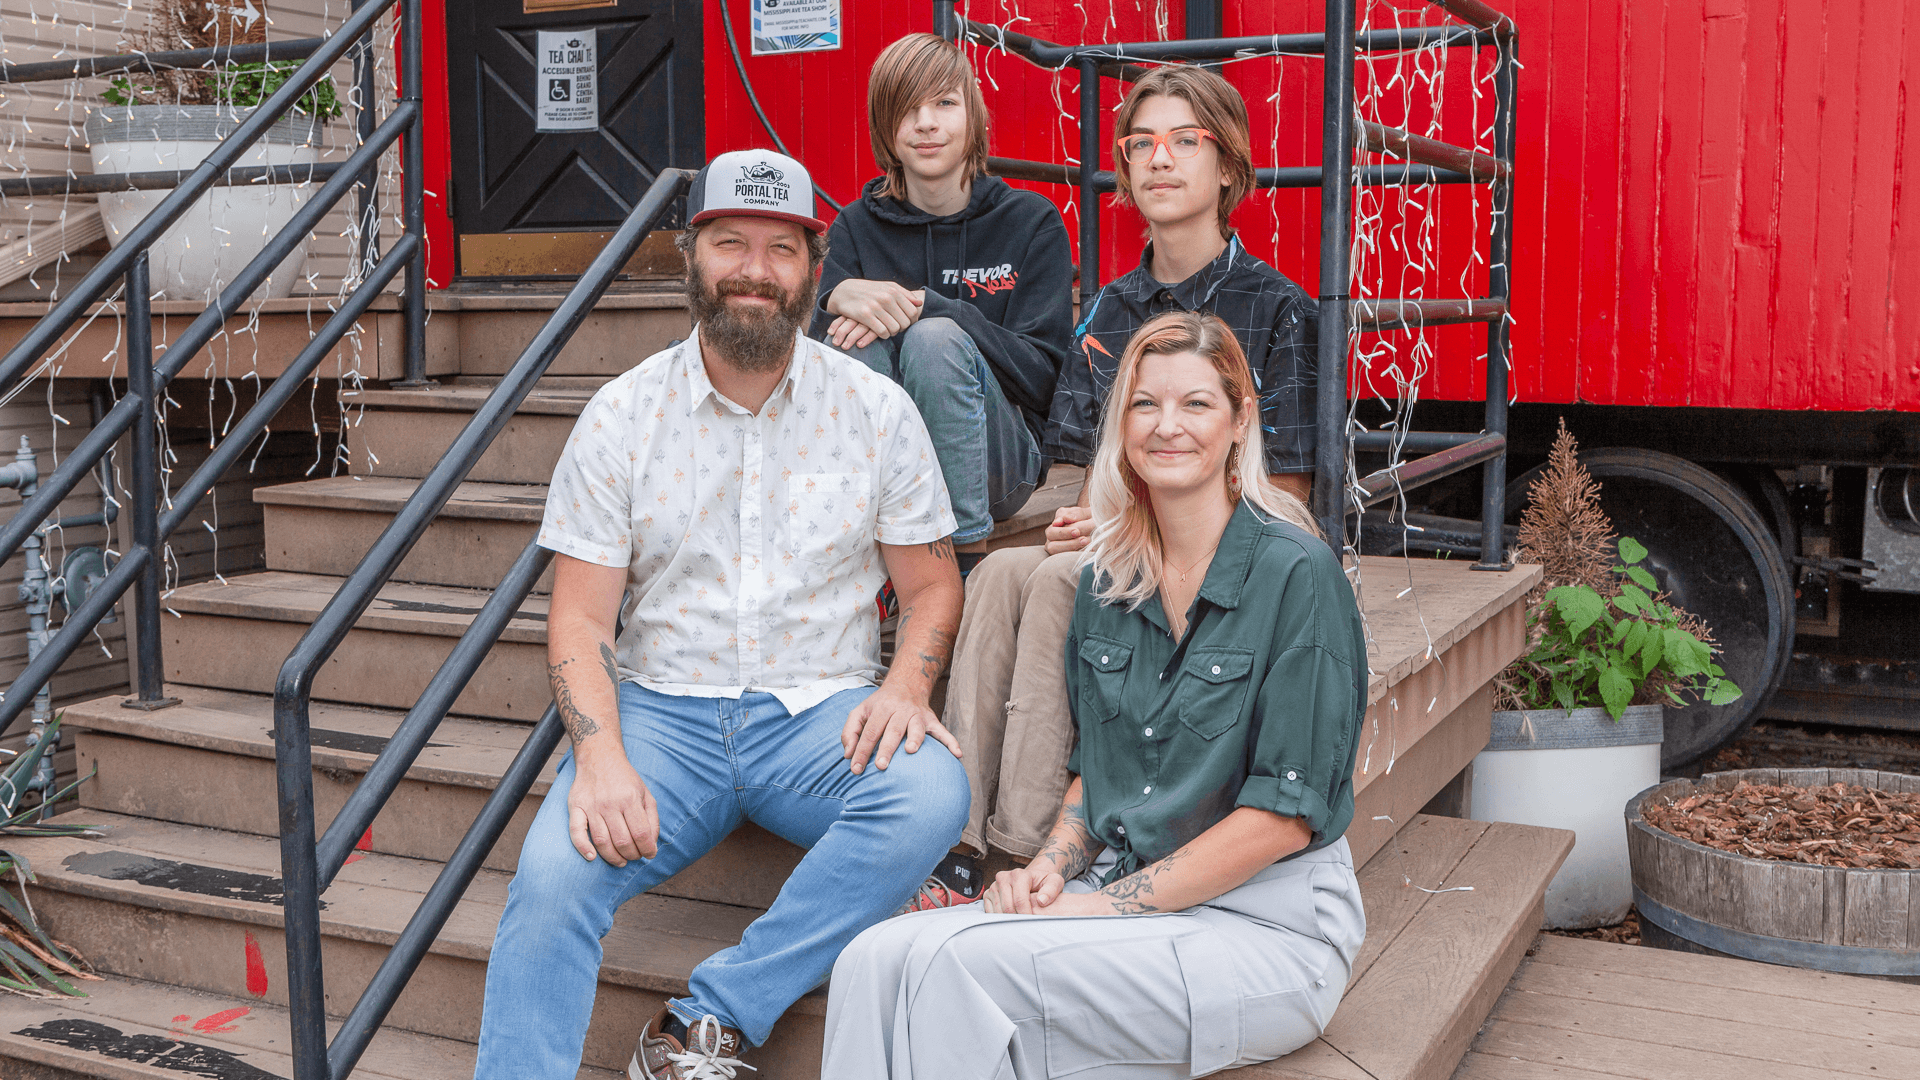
(1007, 696)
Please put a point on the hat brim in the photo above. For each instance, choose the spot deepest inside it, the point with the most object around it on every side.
(814, 225)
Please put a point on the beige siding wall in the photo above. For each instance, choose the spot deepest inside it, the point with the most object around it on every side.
(42, 124)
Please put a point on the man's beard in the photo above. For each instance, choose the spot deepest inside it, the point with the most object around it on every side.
(750, 338)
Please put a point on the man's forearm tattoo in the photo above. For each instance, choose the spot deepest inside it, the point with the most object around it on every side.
(579, 724)
(1071, 846)
(1134, 894)
(613, 669)
(933, 658)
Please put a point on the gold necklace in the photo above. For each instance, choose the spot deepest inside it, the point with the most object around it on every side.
(1183, 573)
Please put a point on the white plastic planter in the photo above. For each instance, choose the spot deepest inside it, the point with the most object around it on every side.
(1573, 771)
(226, 227)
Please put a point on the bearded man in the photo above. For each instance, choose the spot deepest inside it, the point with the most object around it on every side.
(733, 504)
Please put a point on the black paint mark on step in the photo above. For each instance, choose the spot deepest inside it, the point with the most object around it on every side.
(154, 1051)
(179, 876)
(354, 742)
(430, 608)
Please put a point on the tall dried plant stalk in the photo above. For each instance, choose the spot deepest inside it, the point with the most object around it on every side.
(1564, 530)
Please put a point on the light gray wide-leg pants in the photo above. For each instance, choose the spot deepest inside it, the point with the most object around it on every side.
(959, 994)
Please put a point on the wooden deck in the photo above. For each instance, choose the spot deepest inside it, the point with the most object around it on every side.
(1587, 1010)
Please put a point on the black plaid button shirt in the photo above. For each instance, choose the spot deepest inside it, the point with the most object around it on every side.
(1275, 320)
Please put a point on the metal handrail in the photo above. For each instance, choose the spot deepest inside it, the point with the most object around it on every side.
(18, 187)
(302, 874)
(89, 67)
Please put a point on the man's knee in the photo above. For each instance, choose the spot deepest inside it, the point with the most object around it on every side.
(555, 877)
(929, 787)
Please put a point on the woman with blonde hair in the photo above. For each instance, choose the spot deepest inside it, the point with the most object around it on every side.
(1217, 675)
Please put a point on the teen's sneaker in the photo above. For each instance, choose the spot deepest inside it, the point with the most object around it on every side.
(934, 893)
(962, 874)
(712, 1052)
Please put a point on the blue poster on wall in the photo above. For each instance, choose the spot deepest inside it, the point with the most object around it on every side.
(794, 26)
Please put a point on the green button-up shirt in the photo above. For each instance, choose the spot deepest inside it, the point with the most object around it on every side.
(1259, 705)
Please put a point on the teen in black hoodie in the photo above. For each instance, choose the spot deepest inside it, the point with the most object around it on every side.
(985, 293)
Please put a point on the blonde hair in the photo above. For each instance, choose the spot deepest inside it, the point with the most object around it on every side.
(909, 73)
(1217, 106)
(1125, 548)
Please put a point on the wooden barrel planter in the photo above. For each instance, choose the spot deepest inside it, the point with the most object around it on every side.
(1863, 922)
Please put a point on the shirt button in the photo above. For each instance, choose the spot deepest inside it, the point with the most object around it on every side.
(1216, 669)
(1149, 790)
(1291, 775)
(1121, 829)
(1103, 659)
(1149, 733)
(1163, 676)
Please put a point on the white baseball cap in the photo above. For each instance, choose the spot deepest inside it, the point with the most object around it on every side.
(753, 183)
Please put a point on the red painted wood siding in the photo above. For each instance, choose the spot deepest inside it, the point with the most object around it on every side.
(1709, 205)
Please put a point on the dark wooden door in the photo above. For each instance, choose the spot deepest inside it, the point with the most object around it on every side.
(509, 178)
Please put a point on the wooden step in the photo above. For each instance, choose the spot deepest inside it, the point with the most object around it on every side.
(1581, 1009)
(630, 323)
(235, 635)
(133, 1029)
(198, 908)
(1452, 906)
(406, 432)
(326, 526)
(209, 762)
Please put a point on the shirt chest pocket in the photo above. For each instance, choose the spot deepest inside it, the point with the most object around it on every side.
(1213, 690)
(1105, 680)
(829, 515)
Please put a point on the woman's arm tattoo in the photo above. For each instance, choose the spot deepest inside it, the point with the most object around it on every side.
(1134, 894)
(1071, 846)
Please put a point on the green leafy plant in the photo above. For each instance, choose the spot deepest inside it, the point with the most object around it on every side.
(32, 963)
(1592, 648)
(240, 85)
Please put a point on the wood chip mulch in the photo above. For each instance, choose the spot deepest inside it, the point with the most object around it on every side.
(1624, 932)
(1833, 825)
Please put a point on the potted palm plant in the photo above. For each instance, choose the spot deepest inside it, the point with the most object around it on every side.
(1578, 719)
(172, 120)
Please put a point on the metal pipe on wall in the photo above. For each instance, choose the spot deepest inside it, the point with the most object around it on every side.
(1493, 482)
(1089, 189)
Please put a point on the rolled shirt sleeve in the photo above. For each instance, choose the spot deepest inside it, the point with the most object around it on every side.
(1295, 764)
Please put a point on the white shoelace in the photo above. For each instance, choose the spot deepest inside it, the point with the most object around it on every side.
(707, 1064)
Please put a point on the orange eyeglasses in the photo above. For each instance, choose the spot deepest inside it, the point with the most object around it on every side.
(1137, 149)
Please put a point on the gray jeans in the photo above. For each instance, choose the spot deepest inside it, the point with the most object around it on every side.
(988, 457)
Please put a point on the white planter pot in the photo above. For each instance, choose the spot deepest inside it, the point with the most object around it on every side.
(226, 227)
(1574, 771)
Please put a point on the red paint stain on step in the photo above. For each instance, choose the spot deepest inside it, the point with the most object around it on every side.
(223, 1021)
(365, 844)
(256, 969)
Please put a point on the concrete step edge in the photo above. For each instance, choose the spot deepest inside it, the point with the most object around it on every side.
(475, 499)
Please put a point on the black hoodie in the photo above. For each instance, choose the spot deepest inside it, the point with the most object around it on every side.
(1000, 268)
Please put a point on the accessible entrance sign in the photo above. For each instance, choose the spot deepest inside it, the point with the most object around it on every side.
(565, 91)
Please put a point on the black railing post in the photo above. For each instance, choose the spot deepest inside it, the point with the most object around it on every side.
(1493, 478)
(367, 191)
(1089, 166)
(413, 195)
(300, 890)
(1336, 221)
(945, 24)
(146, 486)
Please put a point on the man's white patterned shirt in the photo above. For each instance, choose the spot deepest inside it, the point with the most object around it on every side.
(749, 540)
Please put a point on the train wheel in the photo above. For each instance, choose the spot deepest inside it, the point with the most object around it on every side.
(1716, 554)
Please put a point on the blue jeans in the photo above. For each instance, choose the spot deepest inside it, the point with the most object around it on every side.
(987, 455)
(712, 763)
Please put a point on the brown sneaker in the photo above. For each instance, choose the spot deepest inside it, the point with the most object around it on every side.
(715, 1052)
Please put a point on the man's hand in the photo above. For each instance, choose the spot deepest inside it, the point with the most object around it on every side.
(889, 720)
(611, 812)
(883, 308)
(1023, 891)
(1071, 530)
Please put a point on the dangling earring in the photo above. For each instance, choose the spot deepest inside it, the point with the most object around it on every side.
(1233, 471)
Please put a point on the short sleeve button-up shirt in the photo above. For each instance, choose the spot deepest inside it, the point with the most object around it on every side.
(749, 539)
(1259, 705)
